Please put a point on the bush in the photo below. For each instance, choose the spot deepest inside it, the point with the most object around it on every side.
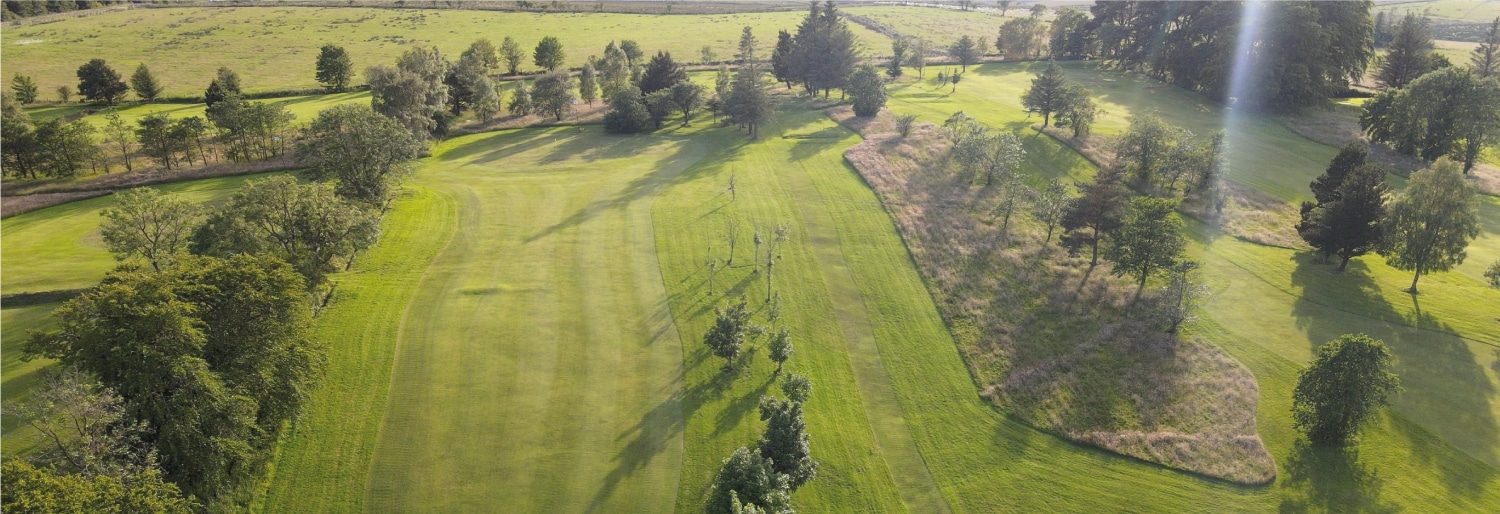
(627, 113)
(904, 124)
(1350, 378)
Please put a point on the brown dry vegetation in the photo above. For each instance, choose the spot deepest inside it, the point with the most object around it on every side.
(1050, 340)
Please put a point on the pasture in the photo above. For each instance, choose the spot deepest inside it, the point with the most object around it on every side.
(275, 49)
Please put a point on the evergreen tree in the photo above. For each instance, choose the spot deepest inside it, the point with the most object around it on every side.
(785, 442)
(511, 53)
(748, 104)
(1409, 54)
(867, 90)
(24, 88)
(1429, 226)
(747, 479)
(899, 49)
(1095, 213)
(1048, 92)
(783, 59)
(661, 73)
(588, 84)
(1485, 60)
(1349, 224)
(97, 82)
(964, 52)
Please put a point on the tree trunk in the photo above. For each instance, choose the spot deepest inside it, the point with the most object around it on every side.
(1414, 277)
(1046, 118)
(1344, 264)
(1094, 260)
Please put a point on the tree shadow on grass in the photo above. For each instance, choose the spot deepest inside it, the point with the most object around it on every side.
(1442, 380)
(642, 187)
(1331, 479)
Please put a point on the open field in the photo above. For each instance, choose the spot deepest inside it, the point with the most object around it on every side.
(305, 108)
(275, 49)
(1474, 11)
(940, 26)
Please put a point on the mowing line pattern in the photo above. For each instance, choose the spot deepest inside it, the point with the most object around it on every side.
(541, 373)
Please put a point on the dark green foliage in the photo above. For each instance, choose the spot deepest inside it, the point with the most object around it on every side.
(549, 53)
(1070, 37)
(748, 104)
(251, 130)
(1492, 274)
(588, 84)
(145, 85)
(632, 51)
(467, 82)
(627, 113)
(335, 69)
(1149, 240)
(781, 348)
(511, 53)
(1097, 212)
(29, 489)
(1020, 38)
(553, 95)
(899, 49)
(731, 326)
(749, 479)
(825, 55)
(97, 82)
(144, 223)
(63, 148)
(661, 73)
(365, 152)
(686, 96)
(964, 52)
(1335, 395)
(1449, 112)
(797, 387)
(1348, 224)
(1351, 157)
(1048, 93)
(1429, 225)
(785, 442)
(867, 90)
(18, 145)
(221, 356)
(154, 132)
(24, 88)
(306, 225)
(1409, 54)
(784, 59)
(226, 84)
(413, 92)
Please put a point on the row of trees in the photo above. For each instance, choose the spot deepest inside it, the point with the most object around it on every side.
(17, 9)
(216, 309)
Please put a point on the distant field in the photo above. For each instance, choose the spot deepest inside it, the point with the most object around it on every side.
(276, 48)
(305, 108)
(1460, 10)
(940, 26)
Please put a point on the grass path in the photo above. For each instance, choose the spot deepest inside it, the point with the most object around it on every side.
(538, 368)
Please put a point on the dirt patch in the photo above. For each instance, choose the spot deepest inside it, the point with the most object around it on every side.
(1051, 340)
(13, 205)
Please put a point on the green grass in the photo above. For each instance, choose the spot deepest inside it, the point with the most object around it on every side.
(941, 27)
(60, 247)
(305, 108)
(276, 48)
(1472, 11)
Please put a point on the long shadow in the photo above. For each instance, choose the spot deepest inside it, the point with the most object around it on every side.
(641, 187)
(1438, 370)
(1335, 480)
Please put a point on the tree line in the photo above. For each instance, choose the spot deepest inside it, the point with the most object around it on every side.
(213, 310)
(17, 9)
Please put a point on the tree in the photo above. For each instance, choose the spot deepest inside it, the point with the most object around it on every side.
(773, 252)
(964, 52)
(413, 92)
(483, 50)
(686, 96)
(1409, 54)
(1070, 37)
(1051, 206)
(120, 135)
(867, 90)
(60, 148)
(706, 55)
(588, 84)
(797, 387)
(1350, 201)
(1428, 226)
(731, 324)
(1078, 110)
(748, 479)
(97, 82)
(144, 223)
(520, 100)
(365, 152)
(144, 84)
(1020, 38)
(251, 130)
(335, 69)
(614, 72)
(549, 53)
(64, 93)
(28, 488)
(18, 143)
(985, 154)
(1492, 274)
(1149, 240)
(222, 355)
(226, 83)
(784, 66)
(553, 94)
(825, 55)
(632, 51)
(1004, 6)
(1349, 379)
(1182, 295)
(918, 58)
(1446, 112)
(1048, 93)
(1485, 60)
(154, 131)
(24, 89)
(510, 52)
(1153, 154)
(899, 49)
(661, 73)
(785, 442)
(627, 113)
(86, 425)
(781, 348)
(748, 104)
(189, 133)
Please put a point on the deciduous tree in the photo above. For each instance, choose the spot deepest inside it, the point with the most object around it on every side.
(549, 53)
(1349, 379)
(686, 96)
(785, 442)
(334, 68)
(97, 82)
(511, 53)
(145, 85)
(588, 84)
(366, 153)
(748, 479)
(781, 348)
(731, 326)
(413, 92)
(144, 223)
(1429, 225)
(1149, 240)
(553, 94)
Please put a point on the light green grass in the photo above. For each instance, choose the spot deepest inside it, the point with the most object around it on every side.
(1473, 11)
(276, 48)
(304, 108)
(17, 378)
(60, 247)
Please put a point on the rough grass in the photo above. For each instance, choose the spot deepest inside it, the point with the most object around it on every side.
(1054, 341)
(940, 26)
(275, 49)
